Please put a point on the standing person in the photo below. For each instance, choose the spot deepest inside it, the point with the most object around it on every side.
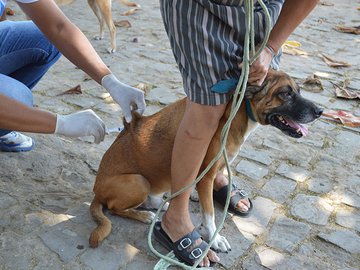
(207, 40)
(27, 50)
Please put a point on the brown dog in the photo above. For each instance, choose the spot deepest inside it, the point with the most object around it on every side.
(138, 162)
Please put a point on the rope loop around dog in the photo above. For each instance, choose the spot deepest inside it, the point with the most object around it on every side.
(170, 259)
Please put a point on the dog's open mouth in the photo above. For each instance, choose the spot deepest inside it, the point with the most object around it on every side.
(288, 126)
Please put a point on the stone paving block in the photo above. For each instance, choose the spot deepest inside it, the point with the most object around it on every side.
(278, 188)
(26, 252)
(345, 239)
(348, 219)
(274, 260)
(286, 234)
(318, 99)
(347, 147)
(256, 155)
(273, 143)
(349, 138)
(330, 256)
(317, 142)
(6, 200)
(293, 172)
(112, 108)
(311, 209)
(83, 102)
(151, 109)
(67, 239)
(350, 198)
(109, 257)
(269, 258)
(239, 241)
(251, 169)
(257, 222)
(251, 263)
(142, 260)
(319, 185)
(161, 95)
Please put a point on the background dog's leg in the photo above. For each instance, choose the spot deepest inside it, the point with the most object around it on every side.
(96, 10)
(105, 9)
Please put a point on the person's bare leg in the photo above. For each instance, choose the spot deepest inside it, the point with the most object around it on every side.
(191, 142)
(220, 181)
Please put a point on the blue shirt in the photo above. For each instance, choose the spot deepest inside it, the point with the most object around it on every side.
(2, 6)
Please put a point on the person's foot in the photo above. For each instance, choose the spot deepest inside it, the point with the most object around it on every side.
(176, 226)
(221, 181)
(16, 142)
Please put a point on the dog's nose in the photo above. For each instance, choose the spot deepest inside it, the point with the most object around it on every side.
(318, 111)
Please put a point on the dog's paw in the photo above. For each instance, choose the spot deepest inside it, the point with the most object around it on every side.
(97, 37)
(221, 244)
(111, 50)
(149, 217)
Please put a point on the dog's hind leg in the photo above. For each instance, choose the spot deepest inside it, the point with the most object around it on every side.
(123, 193)
(97, 12)
(105, 9)
(120, 194)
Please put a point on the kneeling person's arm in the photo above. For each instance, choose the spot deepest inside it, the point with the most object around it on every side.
(19, 117)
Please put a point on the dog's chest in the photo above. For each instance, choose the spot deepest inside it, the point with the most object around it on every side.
(233, 153)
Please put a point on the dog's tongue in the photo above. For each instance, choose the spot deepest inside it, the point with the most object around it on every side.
(297, 126)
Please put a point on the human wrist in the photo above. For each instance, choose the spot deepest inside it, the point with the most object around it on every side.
(110, 82)
(273, 46)
(270, 50)
(59, 124)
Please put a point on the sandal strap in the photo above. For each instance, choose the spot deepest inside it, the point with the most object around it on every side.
(181, 247)
(187, 240)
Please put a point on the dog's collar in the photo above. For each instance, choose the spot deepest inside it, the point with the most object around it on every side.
(228, 85)
(249, 110)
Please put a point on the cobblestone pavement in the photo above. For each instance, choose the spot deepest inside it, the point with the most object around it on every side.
(306, 192)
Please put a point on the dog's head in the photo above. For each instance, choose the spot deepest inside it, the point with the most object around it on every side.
(278, 102)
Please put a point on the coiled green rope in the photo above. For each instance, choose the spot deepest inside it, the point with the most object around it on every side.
(170, 259)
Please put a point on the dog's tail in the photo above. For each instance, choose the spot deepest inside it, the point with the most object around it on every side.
(104, 224)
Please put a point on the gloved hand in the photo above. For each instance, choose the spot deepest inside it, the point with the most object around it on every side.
(83, 123)
(129, 98)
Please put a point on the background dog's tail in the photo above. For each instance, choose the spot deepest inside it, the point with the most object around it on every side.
(104, 224)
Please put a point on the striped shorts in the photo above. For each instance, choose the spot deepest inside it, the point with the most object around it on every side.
(207, 38)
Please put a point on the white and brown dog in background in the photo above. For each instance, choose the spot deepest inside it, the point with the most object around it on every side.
(102, 11)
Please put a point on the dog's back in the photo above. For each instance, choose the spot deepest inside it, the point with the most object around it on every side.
(145, 136)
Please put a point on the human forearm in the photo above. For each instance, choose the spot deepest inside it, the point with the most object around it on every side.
(69, 40)
(19, 117)
(292, 14)
(79, 52)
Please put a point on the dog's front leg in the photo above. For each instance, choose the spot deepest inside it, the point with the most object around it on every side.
(208, 226)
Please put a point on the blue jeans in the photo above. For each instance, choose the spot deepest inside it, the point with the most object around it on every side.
(25, 56)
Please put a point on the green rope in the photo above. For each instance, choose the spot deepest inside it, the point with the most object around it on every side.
(170, 259)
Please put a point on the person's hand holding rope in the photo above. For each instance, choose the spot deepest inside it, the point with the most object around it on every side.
(259, 69)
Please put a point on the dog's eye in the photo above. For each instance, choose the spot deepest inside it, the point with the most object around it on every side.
(286, 95)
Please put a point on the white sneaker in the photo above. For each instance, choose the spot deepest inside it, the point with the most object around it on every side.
(16, 142)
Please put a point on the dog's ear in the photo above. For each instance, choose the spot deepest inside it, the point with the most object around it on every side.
(251, 91)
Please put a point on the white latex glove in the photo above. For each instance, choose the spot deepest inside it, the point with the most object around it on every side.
(129, 98)
(83, 123)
